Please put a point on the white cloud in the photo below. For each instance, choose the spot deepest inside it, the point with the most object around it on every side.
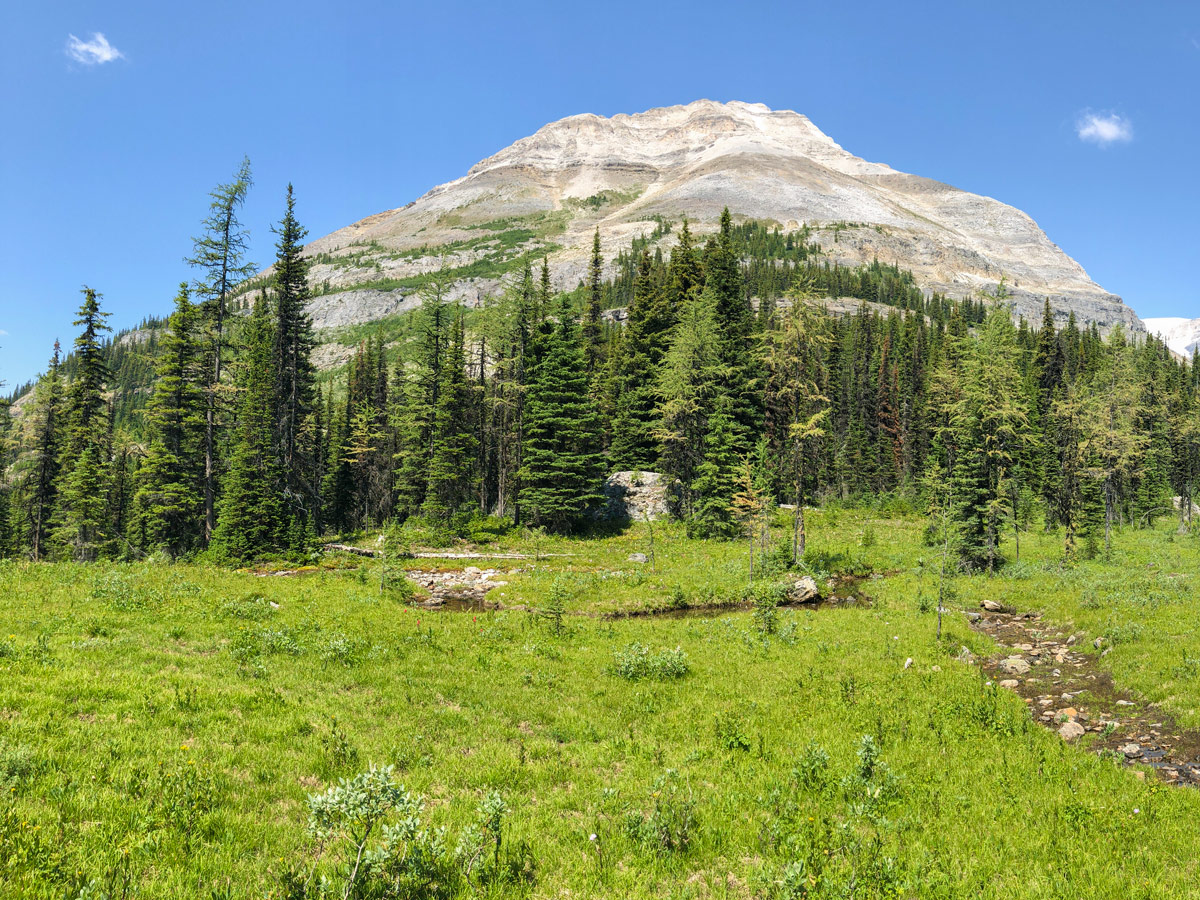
(94, 52)
(1104, 129)
(3, 333)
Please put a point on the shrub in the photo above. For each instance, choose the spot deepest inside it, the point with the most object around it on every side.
(669, 824)
(729, 728)
(251, 608)
(812, 767)
(636, 663)
(376, 830)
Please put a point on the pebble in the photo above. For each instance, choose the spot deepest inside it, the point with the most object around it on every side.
(1131, 751)
(1011, 683)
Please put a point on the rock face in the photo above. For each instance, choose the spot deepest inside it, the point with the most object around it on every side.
(638, 496)
(549, 191)
(1181, 335)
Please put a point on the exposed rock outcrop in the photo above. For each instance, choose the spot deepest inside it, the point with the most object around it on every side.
(638, 496)
(549, 191)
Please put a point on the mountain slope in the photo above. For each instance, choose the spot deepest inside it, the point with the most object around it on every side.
(1181, 335)
(547, 192)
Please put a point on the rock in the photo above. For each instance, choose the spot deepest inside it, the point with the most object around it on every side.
(991, 606)
(804, 590)
(1105, 652)
(471, 570)
(763, 164)
(1097, 642)
(965, 655)
(1139, 774)
(1069, 713)
(1125, 703)
(1010, 683)
(1014, 665)
(936, 669)
(1071, 639)
(637, 557)
(638, 496)
(1071, 731)
(1132, 751)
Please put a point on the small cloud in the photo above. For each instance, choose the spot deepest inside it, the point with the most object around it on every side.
(3, 333)
(1104, 129)
(94, 52)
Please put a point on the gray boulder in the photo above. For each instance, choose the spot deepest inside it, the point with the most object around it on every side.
(638, 496)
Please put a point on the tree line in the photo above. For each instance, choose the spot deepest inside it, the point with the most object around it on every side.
(725, 373)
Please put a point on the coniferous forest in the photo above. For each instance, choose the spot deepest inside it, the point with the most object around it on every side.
(726, 373)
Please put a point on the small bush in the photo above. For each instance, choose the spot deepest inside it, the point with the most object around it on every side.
(669, 825)
(636, 663)
(251, 608)
(730, 730)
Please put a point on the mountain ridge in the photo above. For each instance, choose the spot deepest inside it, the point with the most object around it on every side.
(547, 192)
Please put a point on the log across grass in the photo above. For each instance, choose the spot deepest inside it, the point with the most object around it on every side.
(164, 727)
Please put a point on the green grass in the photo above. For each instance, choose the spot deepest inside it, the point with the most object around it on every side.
(171, 721)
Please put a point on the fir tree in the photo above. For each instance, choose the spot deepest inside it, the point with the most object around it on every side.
(592, 334)
(713, 486)
(452, 443)
(296, 379)
(84, 460)
(635, 444)
(169, 498)
(562, 465)
(251, 521)
(40, 483)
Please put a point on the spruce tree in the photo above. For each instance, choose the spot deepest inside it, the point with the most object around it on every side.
(84, 460)
(295, 387)
(251, 520)
(40, 481)
(169, 497)
(452, 453)
(592, 333)
(714, 484)
(562, 467)
(635, 443)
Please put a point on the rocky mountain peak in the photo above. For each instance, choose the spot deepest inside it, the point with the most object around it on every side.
(547, 193)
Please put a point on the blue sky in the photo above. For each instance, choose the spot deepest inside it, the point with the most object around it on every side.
(1085, 115)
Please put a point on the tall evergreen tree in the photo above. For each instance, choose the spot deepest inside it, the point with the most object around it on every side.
(452, 443)
(39, 484)
(635, 443)
(169, 498)
(251, 520)
(220, 255)
(295, 387)
(562, 466)
(592, 332)
(84, 461)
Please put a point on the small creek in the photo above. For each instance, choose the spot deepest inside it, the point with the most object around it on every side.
(1067, 690)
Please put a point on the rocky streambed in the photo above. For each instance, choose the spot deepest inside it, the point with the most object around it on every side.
(1067, 690)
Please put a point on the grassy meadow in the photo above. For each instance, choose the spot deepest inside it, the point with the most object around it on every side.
(162, 727)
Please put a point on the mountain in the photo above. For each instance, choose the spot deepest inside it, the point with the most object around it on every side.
(1181, 335)
(545, 194)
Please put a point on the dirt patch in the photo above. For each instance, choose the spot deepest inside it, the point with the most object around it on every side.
(1067, 690)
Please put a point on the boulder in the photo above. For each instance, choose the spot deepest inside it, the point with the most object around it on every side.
(1071, 731)
(637, 557)
(638, 496)
(1014, 665)
(804, 590)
